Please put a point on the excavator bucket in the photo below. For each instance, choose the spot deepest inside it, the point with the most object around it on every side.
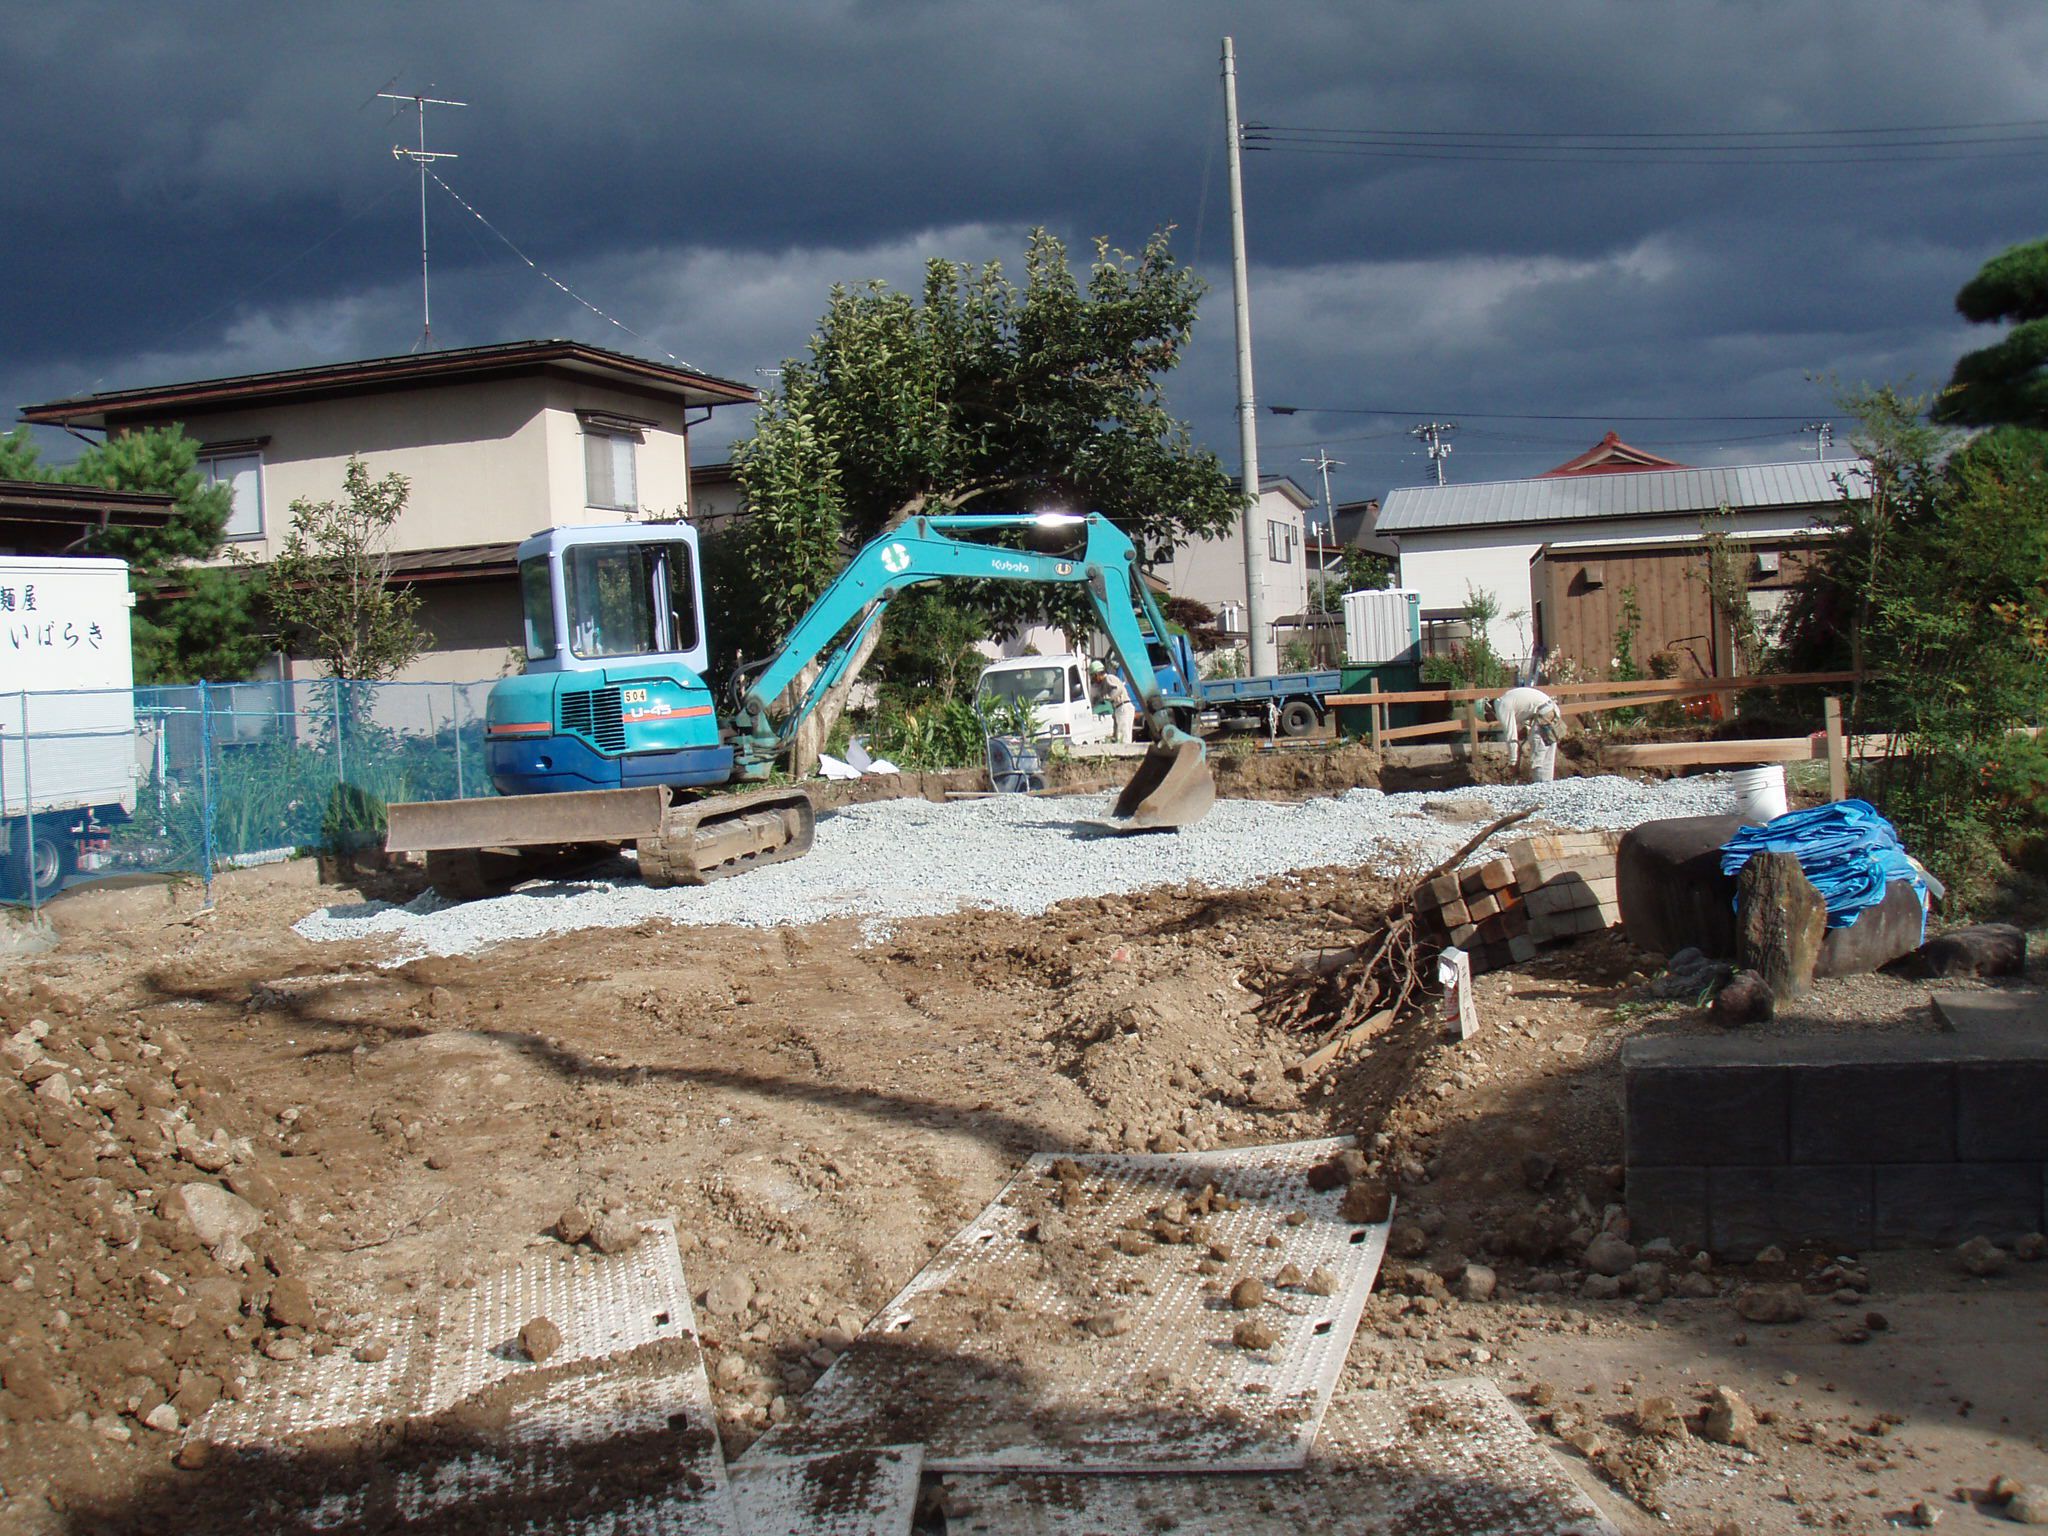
(1172, 788)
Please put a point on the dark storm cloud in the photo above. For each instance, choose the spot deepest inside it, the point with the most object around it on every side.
(705, 171)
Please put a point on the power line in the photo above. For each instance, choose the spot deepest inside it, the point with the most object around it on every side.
(1376, 410)
(464, 204)
(1698, 133)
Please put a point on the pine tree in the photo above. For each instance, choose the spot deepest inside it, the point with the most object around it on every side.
(2004, 384)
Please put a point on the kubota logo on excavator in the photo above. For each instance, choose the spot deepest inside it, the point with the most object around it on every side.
(1008, 565)
(895, 559)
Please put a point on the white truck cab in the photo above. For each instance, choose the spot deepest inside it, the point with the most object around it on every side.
(1057, 689)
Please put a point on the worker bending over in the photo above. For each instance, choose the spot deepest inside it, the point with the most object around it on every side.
(1522, 712)
(1105, 687)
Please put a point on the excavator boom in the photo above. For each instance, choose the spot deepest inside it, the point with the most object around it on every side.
(1172, 787)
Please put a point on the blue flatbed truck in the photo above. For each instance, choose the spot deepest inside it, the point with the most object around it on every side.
(1297, 697)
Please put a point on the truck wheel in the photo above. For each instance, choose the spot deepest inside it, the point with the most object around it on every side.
(37, 866)
(1298, 717)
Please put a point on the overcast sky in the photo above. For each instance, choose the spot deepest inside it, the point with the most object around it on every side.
(202, 189)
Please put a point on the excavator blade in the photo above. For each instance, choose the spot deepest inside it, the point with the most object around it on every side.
(1172, 788)
(709, 839)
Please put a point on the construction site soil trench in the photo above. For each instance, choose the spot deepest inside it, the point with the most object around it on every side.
(821, 1106)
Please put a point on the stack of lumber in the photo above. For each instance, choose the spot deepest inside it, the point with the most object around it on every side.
(1566, 883)
(1481, 912)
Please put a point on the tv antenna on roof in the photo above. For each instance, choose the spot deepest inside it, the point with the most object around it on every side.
(422, 157)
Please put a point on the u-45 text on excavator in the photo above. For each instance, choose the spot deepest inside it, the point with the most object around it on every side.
(611, 736)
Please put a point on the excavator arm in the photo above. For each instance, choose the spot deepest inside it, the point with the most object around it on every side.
(1171, 788)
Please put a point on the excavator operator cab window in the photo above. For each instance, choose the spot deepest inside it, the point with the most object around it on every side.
(537, 597)
(630, 599)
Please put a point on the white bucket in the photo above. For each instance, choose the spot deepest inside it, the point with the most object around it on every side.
(1759, 793)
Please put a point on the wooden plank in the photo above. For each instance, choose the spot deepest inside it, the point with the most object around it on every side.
(1690, 686)
(1703, 754)
(1317, 1060)
(1417, 732)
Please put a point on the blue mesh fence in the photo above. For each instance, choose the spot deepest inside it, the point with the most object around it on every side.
(191, 779)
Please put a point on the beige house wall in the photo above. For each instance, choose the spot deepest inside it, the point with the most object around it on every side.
(1211, 571)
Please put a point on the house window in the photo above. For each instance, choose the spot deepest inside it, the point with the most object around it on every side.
(242, 474)
(608, 467)
(1280, 542)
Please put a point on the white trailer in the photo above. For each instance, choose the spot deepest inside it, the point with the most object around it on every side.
(67, 715)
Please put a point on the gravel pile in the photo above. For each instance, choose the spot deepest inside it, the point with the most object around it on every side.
(912, 858)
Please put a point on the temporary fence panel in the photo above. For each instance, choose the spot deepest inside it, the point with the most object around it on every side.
(191, 778)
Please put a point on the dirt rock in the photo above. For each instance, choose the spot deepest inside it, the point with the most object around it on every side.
(214, 1214)
(1729, 1420)
(1600, 1287)
(33, 1388)
(2031, 1249)
(1538, 1169)
(1662, 1418)
(371, 1351)
(1110, 1323)
(1248, 1294)
(730, 1293)
(615, 1234)
(1405, 1239)
(1980, 949)
(1745, 999)
(1770, 1304)
(2028, 1506)
(1982, 1257)
(573, 1225)
(1253, 1334)
(1323, 1282)
(290, 1306)
(1609, 1255)
(1477, 1283)
(539, 1339)
(1367, 1201)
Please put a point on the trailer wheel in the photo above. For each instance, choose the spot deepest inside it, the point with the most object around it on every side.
(1298, 717)
(37, 867)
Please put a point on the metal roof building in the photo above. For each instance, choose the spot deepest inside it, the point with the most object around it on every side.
(1634, 494)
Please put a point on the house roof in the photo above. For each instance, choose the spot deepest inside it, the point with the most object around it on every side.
(456, 562)
(1640, 493)
(55, 516)
(457, 365)
(1611, 456)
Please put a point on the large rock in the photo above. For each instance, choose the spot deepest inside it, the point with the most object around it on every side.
(1781, 923)
(211, 1212)
(1674, 896)
(1981, 949)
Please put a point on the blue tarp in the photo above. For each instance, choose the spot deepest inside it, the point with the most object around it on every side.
(1849, 852)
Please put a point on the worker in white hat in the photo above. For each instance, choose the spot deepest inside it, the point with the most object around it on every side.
(1532, 713)
(1105, 687)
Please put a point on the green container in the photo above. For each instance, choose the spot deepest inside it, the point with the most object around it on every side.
(1394, 677)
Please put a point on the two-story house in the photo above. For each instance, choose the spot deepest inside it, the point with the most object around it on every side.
(497, 443)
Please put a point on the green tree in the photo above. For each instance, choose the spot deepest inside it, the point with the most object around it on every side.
(2006, 383)
(975, 391)
(192, 621)
(331, 588)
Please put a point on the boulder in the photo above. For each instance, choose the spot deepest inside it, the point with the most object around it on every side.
(1745, 999)
(1980, 949)
(1781, 922)
(1674, 897)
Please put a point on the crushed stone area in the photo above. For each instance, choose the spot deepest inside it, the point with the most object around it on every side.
(896, 859)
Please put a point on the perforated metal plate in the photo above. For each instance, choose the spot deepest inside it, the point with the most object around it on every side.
(613, 1433)
(988, 1359)
(1446, 1458)
(853, 1493)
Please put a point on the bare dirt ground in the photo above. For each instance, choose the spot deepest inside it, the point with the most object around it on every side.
(819, 1117)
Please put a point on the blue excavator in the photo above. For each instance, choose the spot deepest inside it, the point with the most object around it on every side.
(611, 737)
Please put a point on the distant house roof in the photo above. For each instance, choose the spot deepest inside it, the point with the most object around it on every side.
(1612, 456)
(456, 562)
(458, 365)
(1358, 525)
(48, 518)
(1640, 493)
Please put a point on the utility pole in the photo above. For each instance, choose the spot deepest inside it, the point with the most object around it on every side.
(1264, 660)
(1823, 433)
(1432, 435)
(1324, 463)
(422, 157)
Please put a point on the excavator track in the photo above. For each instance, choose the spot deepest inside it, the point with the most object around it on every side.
(722, 835)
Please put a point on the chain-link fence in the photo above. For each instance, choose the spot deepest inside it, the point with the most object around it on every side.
(190, 779)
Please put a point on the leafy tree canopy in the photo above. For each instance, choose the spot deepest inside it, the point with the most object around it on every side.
(331, 582)
(977, 391)
(191, 621)
(2006, 383)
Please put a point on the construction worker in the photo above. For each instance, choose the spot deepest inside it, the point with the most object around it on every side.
(1105, 687)
(1527, 711)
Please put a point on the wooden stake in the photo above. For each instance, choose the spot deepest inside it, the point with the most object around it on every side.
(1373, 722)
(1838, 759)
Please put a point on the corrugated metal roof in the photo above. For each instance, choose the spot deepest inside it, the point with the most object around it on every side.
(1645, 493)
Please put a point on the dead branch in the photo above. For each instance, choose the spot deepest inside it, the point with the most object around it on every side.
(1459, 857)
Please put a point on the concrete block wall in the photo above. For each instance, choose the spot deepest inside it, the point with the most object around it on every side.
(1850, 1142)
